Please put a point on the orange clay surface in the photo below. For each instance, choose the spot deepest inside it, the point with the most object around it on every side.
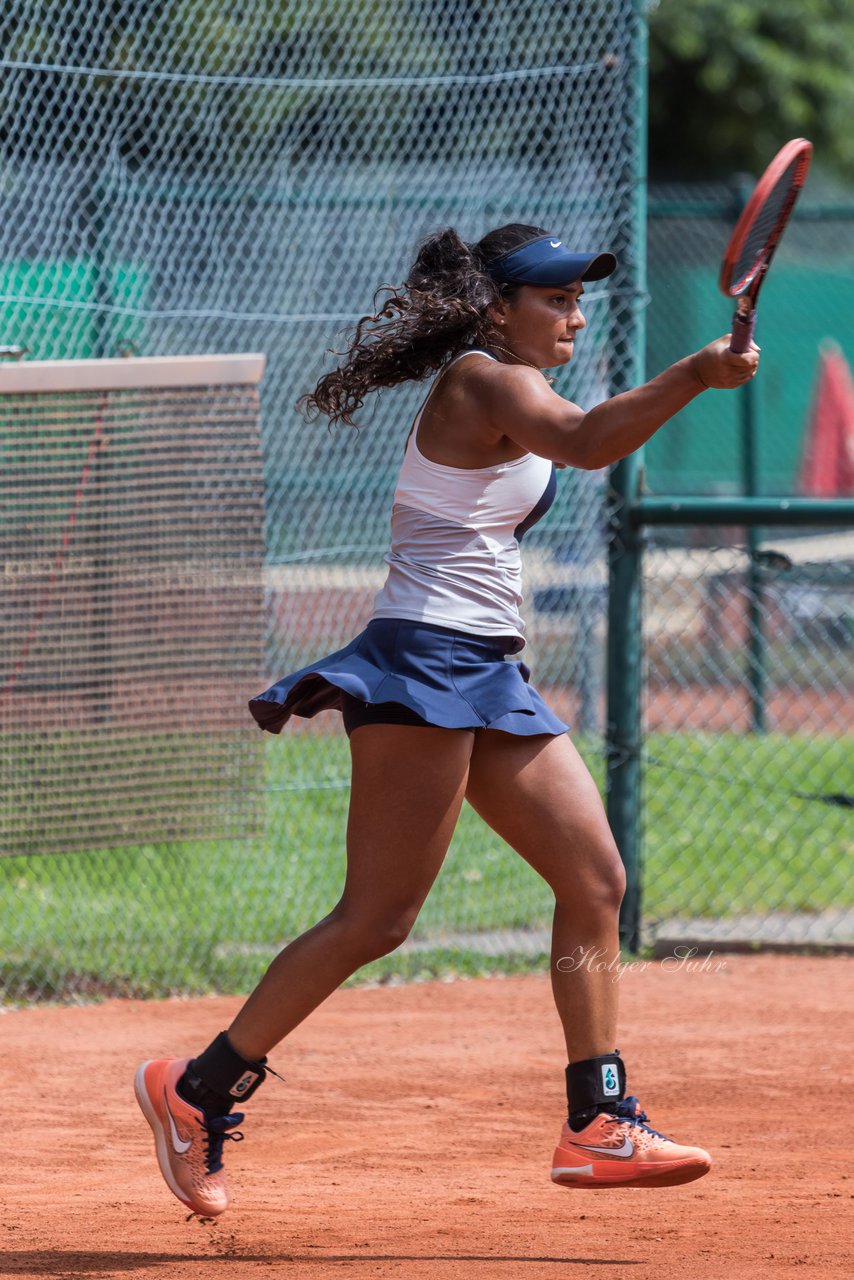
(414, 1135)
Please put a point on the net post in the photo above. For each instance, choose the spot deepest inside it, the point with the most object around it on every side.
(624, 644)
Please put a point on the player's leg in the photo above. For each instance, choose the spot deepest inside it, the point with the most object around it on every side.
(407, 787)
(406, 792)
(538, 795)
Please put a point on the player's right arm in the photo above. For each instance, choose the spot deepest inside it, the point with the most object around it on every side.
(517, 400)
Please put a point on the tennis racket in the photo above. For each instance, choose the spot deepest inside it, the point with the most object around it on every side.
(757, 233)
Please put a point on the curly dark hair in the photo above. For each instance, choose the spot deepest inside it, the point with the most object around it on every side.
(441, 309)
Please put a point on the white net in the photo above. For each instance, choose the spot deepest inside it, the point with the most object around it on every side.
(131, 552)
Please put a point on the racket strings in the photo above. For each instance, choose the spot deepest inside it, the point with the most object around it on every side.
(763, 219)
(761, 234)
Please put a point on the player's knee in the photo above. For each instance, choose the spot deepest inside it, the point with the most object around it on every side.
(607, 886)
(373, 934)
(613, 884)
(391, 931)
(599, 893)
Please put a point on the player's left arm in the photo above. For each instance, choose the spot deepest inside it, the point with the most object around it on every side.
(615, 428)
(535, 417)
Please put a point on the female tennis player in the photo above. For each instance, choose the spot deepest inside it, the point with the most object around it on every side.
(436, 709)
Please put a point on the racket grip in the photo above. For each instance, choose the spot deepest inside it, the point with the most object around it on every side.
(742, 331)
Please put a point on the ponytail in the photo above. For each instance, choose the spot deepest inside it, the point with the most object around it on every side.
(440, 310)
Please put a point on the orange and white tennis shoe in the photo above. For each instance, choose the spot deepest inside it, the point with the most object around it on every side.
(188, 1141)
(619, 1149)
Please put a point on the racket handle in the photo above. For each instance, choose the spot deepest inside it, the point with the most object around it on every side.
(742, 331)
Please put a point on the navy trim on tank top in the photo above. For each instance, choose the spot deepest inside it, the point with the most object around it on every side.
(539, 510)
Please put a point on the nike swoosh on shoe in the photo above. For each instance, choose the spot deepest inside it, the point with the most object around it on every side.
(623, 1152)
(179, 1145)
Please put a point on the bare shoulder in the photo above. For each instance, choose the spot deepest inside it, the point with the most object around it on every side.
(509, 385)
(507, 394)
(484, 371)
(462, 424)
(482, 412)
(490, 385)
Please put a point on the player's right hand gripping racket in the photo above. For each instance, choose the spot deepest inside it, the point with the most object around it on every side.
(757, 234)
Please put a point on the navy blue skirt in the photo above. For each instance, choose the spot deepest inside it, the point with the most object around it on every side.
(448, 678)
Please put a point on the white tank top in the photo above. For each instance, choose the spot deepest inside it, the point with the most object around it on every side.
(454, 558)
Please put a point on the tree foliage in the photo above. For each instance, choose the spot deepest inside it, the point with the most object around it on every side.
(731, 80)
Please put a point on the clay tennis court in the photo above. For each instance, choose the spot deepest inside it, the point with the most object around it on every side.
(413, 1136)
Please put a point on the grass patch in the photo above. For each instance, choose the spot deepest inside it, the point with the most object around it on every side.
(723, 835)
(728, 828)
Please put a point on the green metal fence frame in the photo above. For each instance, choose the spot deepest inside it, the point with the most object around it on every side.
(631, 513)
(623, 667)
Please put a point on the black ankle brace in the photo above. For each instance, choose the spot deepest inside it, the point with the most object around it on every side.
(593, 1085)
(219, 1077)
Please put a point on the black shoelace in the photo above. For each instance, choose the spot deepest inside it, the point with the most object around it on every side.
(630, 1109)
(218, 1129)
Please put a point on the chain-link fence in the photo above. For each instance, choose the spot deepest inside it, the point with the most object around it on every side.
(749, 632)
(177, 180)
(748, 710)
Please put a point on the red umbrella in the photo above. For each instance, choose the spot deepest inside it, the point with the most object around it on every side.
(827, 466)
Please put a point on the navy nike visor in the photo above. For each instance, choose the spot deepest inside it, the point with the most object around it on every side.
(545, 261)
